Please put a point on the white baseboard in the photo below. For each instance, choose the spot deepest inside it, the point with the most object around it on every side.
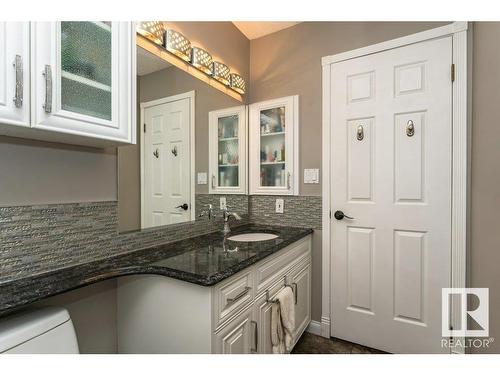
(314, 327)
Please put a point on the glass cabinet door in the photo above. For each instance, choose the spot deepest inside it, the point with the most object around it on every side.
(273, 147)
(228, 158)
(228, 150)
(83, 84)
(86, 68)
(273, 129)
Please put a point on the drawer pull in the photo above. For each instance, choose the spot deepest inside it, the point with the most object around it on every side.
(255, 336)
(295, 291)
(239, 295)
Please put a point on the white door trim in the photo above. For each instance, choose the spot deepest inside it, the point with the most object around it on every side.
(187, 95)
(460, 175)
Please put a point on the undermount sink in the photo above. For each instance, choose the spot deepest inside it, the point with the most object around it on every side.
(252, 237)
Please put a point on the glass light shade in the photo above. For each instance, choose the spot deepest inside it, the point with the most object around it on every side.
(152, 30)
(178, 44)
(238, 83)
(201, 59)
(221, 72)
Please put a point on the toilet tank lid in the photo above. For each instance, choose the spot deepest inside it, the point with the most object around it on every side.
(24, 326)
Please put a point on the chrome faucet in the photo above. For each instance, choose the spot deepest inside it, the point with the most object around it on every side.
(209, 212)
(227, 214)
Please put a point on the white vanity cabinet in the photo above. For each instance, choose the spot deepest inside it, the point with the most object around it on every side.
(228, 151)
(273, 146)
(78, 82)
(158, 314)
(14, 74)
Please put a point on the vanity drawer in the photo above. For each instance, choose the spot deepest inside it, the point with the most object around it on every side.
(278, 265)
(232, 295)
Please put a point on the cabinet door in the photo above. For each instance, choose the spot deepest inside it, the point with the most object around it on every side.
(14, 74)
(273, 150)
(228, 151)
(83, 78)
(301, 282)
(237, 336)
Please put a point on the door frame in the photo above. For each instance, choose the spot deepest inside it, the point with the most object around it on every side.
(187, 95)
(460, 157)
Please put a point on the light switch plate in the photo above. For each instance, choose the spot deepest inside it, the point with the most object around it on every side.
(280, 206)
(311, 176)
(202, 178)
(223, 203)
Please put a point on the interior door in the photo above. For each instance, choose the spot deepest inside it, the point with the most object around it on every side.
(167, 160)
(391, 174)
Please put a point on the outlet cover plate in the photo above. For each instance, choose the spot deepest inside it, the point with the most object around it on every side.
(223, 203)
(202, 178)
(280, 206)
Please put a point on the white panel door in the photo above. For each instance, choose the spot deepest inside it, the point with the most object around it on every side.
(391, 172)
(14, 73)
(167, 159)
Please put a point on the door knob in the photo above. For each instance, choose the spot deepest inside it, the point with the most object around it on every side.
(183, 206)
(339, 215)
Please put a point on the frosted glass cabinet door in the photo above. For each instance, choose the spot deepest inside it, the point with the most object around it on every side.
(274, 146)
(227, 151)
(83, 78)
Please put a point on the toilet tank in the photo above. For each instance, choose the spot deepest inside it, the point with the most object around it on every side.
(44, 330)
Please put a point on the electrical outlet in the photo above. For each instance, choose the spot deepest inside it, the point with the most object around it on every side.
(223, 204)
(280, 206)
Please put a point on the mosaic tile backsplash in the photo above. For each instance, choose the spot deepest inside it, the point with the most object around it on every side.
(37, 239)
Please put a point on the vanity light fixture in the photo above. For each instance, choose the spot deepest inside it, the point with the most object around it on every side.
(221, 72)
(152, 30)
(201, 59)
(178, 44)
(238, 83)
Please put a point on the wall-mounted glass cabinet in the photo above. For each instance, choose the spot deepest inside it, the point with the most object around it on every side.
(228, 151)
(84, 79)
(273, 146)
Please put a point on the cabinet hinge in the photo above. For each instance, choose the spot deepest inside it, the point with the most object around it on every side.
(144, 127)
(452, 72)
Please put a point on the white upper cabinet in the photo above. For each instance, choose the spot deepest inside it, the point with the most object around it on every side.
(83, 79)
(69, 82)
(228, 151)
(273, 147)
(14, 73)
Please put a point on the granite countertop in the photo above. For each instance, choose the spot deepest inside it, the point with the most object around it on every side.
(204, 260)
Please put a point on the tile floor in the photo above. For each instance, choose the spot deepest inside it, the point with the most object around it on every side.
(312, 344)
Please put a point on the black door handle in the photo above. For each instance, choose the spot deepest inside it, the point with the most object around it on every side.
(183, 206)
(339, 215)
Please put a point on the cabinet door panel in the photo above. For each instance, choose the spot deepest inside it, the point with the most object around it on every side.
(236, 337)
(14, 73)
(83, 78)
(301, 281)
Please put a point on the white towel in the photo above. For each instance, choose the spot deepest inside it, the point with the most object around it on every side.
(283, 321)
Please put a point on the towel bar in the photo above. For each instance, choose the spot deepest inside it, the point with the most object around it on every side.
(285, 284)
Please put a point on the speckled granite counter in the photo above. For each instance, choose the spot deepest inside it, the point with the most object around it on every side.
(204, 260)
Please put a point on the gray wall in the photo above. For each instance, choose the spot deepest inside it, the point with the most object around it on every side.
(289, 62)
(485, 223)
(157, 85)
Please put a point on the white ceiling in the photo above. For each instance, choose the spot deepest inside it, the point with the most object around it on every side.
(254, 29)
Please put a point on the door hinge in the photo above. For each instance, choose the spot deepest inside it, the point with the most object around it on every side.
(330, 213)
(144, 127)
(452, 72)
